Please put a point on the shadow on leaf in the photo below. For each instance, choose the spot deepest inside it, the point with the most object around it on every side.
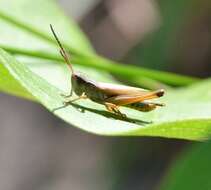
(104, 113)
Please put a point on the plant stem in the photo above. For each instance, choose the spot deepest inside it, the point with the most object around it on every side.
(132, 73)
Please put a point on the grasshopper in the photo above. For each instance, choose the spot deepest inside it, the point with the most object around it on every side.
(112, 96)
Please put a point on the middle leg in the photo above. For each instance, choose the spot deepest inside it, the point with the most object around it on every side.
(114, 109)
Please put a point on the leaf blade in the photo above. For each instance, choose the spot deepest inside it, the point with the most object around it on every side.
(176, 120)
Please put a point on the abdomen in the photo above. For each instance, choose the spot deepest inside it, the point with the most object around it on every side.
(142, 106)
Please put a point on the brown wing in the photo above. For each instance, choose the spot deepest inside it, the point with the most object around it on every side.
(117, 89)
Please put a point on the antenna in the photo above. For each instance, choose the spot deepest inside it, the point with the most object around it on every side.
(62, 50)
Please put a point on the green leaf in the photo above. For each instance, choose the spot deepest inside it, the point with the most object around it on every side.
(34, 17)
(11, 85)
(192, 170)
(23, 32)
(186, 115)
(22, 29)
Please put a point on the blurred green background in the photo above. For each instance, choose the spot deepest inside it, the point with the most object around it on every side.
(165, 35)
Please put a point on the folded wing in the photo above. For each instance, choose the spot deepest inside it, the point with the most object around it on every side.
(117, 89)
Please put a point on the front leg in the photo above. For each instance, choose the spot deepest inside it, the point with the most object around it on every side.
(82, 96)
(68, 102)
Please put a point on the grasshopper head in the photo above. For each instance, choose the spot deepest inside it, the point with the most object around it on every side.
(78, 82)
